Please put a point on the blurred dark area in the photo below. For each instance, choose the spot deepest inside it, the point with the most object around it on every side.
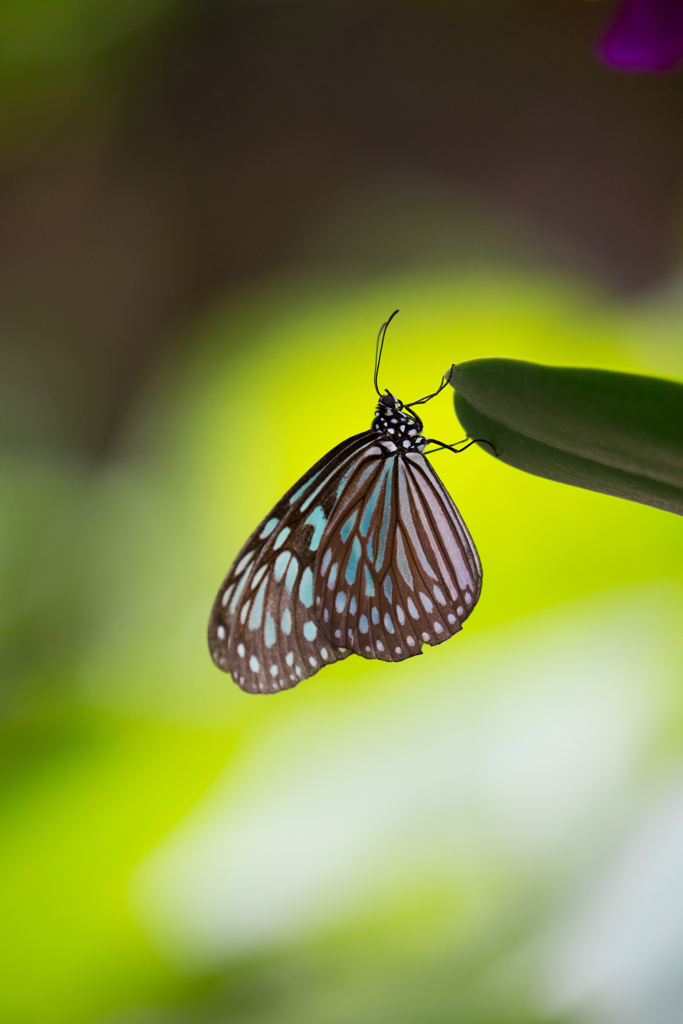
(186, 150)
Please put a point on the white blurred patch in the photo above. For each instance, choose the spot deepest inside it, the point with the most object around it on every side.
(511, 754)
(620, 955)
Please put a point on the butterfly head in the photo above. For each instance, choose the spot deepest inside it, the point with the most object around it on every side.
(402, 427)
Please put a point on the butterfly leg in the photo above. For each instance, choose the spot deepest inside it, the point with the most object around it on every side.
(452, 448)
(420, 401)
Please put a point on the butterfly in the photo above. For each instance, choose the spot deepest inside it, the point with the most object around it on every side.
(365, 554)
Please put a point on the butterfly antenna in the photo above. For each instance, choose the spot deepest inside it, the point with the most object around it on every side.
(379, 346)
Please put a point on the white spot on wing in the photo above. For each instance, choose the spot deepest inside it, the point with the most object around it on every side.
(244, 561)
(306, 588)
(240, 650)
(281, 563)
(237, 594)
(281, 538)
(253, 663)
(220, 632)
(256, 613)
(292, 572)
(258, 576)
(268, 528)
(269, 631)
(310, 630)
(412, 609)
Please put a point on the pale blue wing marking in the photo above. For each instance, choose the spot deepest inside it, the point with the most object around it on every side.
(318, 521)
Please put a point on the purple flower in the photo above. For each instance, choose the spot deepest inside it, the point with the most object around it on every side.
(645, 36)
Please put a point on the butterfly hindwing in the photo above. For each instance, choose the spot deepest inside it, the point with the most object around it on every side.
(262, 629)
(396, 567)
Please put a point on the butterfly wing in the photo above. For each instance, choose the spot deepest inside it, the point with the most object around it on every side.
(396, 566)
(262, 629)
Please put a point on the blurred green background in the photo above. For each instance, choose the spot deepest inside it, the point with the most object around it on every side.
(207, 210)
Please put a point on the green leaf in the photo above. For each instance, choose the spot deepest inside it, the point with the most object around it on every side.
(618, 433)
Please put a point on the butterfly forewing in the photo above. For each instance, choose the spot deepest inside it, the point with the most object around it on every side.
(262, 627)
(396, 566)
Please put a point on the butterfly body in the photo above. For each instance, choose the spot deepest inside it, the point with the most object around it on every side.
(365, 554)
